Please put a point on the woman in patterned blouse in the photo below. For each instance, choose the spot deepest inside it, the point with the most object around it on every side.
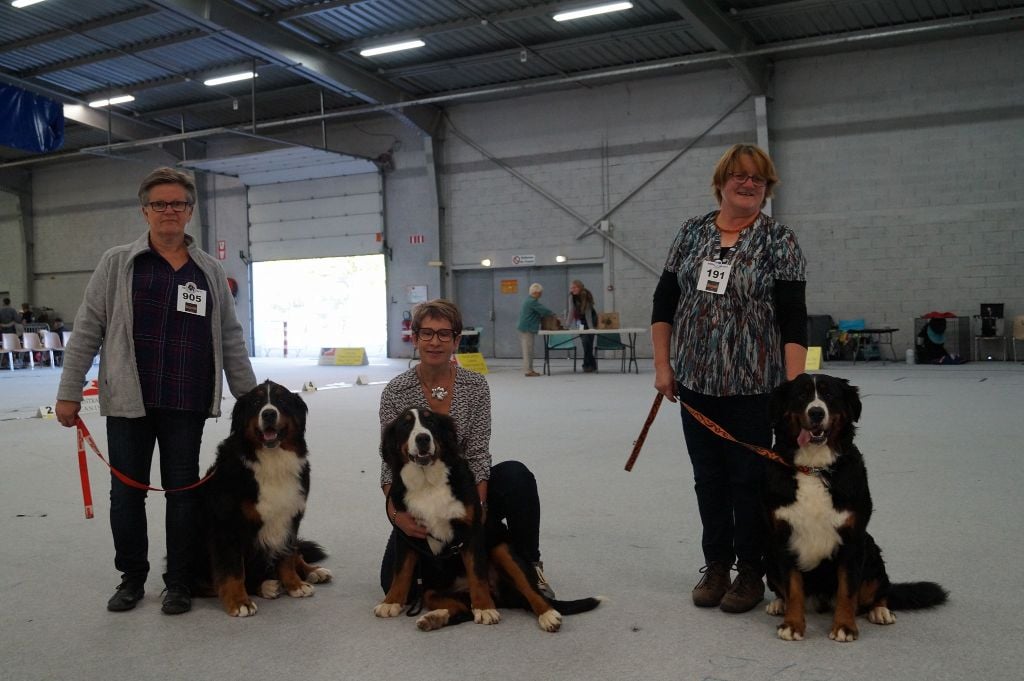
(733, 295)
(507, 489)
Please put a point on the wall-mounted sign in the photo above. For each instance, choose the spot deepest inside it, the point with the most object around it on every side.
(222, 249)
(510, 286)
(524, 259)
(416, 294)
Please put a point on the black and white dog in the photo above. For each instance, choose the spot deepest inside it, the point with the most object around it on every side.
(819, 544)
(253, 504)
(433, 482)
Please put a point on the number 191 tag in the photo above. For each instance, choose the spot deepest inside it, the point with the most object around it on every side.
(714, 277)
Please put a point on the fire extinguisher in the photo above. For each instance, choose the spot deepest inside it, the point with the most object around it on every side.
(407, 326)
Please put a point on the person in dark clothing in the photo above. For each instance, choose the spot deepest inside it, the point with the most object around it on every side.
(585, 316)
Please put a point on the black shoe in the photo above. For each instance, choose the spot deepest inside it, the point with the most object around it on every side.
(177, 599)
(127, 596)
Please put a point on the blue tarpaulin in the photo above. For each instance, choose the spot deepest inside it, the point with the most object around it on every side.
(30, 122)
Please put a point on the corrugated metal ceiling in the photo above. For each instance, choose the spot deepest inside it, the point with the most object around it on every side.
(160, 51)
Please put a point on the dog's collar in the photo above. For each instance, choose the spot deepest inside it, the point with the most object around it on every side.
(813, 470)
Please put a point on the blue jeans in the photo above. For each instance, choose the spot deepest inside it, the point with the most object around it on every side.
(130, 444)
(727, 477)
(512, 497)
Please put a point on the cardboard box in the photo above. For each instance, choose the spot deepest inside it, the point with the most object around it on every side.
(608, 320)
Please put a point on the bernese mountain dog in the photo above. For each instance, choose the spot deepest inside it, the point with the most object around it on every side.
(434, 483)
(253, 503)
(818, 511)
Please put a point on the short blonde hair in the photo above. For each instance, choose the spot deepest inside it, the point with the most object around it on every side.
(729, 161)
(536, 288)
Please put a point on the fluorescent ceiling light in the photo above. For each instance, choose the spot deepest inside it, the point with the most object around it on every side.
(393, 47)
(591, 11)
(120, 99)
(24, 3)
(233, 78)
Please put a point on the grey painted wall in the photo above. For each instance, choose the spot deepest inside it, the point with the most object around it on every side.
(900, 175)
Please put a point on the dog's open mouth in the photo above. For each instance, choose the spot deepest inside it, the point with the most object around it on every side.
(814, 436)
(270, 436)
(421, 458)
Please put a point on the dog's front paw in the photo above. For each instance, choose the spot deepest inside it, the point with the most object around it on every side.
(319, 575)
(435, 619)
(881, 615)
(387, 609)
(303, 590)
(791, 632)
(246, 609)
(550, 620)
(489, 616)
(776, 607)
(270, 588)
(843, 633)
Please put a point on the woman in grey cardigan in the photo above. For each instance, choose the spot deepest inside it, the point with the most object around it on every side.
(160, 314)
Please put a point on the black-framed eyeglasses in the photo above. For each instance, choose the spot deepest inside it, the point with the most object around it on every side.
(443, 335)
(176, 206)
(743, 177)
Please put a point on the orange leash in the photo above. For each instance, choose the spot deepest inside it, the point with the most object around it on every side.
(723, 433)
(85, 436)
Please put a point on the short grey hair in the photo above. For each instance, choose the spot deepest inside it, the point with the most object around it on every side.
(535, 288)
(167, 176)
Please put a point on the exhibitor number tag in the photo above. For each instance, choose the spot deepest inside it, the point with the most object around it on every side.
(714, 277)
(191, 299)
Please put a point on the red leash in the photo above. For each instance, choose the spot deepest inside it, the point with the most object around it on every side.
(85, 436)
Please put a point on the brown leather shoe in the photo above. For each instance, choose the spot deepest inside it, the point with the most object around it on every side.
(747, 590)
(712, 586)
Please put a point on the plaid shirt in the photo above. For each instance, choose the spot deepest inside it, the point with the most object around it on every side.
(173, 350)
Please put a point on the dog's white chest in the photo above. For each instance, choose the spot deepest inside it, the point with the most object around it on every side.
(279, 475)
(814, 522)
(429, 498)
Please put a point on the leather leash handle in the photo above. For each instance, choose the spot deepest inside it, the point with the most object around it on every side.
(639, 442)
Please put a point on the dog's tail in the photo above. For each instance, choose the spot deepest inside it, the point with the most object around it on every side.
(577, 606)
(310, 551)
(916, 595)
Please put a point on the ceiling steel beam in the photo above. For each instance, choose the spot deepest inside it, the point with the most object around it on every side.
(76, 29)
(490, 18)
(279, 45)
(305, 10)
(728, 38)
(114, 53)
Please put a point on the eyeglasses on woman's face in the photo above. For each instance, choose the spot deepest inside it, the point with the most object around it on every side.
(443, 335)
(741, 178)
(176, 206)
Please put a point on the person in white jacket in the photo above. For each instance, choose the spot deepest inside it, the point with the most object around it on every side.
(160, 314)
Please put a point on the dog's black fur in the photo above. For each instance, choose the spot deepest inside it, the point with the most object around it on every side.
(422, 450)
(819, 544)
(252, 506)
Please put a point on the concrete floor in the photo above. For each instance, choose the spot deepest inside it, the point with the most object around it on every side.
(943, 449)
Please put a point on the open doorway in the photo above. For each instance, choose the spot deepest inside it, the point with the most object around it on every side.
(305, 305)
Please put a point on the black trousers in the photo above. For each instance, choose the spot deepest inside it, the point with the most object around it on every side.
(512, 497)
(727, 477)
(130, 443)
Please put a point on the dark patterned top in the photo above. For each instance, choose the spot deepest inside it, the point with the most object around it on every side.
(173, 350)
(471, 410)
(730, 344)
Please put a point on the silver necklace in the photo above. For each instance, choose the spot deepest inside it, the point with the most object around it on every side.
(438, 392)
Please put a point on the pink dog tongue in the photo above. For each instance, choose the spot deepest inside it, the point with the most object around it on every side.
(803, 438)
